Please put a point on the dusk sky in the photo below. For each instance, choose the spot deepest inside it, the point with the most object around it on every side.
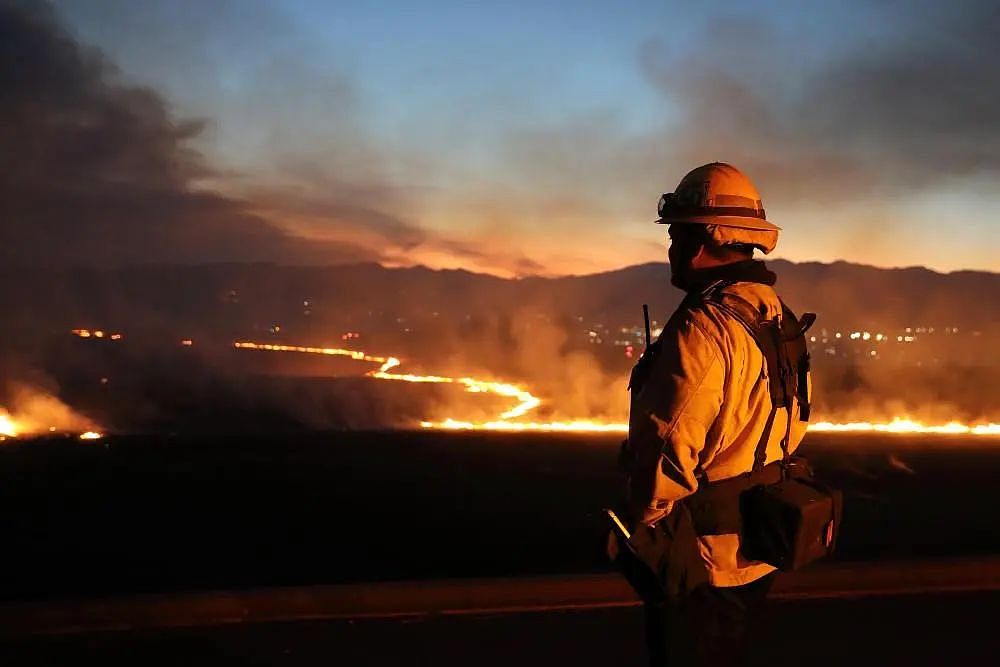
(508, 137)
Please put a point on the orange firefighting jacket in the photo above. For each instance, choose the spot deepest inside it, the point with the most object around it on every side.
(698, 411)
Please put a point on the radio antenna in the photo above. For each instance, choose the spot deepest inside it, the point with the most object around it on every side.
(645, 318)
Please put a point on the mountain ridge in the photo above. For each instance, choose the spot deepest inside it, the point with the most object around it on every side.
(842, 293)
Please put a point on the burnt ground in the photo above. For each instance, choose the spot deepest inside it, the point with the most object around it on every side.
(137, 514)
(915, 631)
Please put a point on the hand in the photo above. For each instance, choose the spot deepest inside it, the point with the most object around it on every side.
(650, 516)
(613, 547)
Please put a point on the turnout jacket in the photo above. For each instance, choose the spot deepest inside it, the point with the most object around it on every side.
(700, 402)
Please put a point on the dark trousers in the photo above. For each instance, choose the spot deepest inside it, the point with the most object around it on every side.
(709, 627)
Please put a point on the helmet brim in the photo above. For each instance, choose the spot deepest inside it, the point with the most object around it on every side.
(722, 221)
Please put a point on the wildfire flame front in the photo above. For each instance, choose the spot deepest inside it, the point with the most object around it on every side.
(526, 402)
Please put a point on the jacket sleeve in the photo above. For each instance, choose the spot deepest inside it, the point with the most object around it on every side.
(679, 402)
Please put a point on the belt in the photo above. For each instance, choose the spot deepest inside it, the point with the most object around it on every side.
(715, 506)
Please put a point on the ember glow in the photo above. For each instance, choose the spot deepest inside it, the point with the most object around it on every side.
(33, 412)
(527, 402)
(96, 333)
(7, 426)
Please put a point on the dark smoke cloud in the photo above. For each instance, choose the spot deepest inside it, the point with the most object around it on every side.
(845, 139)
(927, 103)
(97, 171)
(912, 108)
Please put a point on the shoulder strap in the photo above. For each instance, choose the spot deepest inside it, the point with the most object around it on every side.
(767, 334)
(793, 331)
(785, 370)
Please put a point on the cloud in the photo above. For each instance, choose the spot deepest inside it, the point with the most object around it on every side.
(903, 110)
(100, 172)
(97, 171)
(849, 140)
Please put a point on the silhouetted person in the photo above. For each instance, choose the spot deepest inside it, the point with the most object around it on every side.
(702, 412)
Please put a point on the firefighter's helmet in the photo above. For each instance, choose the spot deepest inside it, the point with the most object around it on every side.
(720, 196)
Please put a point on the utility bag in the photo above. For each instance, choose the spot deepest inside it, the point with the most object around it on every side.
(790, 524)
(795, 520)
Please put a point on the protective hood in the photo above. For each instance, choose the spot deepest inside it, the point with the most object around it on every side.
(765, 239)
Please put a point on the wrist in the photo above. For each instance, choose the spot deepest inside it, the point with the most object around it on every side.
(649, 514)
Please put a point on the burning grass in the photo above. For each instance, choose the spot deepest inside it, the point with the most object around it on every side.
(509, 420)
(35, 412)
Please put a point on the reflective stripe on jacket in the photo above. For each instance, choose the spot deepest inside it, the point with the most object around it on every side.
(697, 413)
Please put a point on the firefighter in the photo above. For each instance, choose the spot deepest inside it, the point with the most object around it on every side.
(703, 411)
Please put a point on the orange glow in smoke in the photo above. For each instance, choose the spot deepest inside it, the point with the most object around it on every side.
(8, 427)
(11, 427)
(35, 412)
(526, 402)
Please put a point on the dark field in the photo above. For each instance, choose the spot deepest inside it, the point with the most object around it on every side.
(144, 514)
(915, 631)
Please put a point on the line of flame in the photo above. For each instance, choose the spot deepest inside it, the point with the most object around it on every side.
(334, 351)
(897, 425)
(9, 428)
(576, 426)
(527, 402)
(902, 425)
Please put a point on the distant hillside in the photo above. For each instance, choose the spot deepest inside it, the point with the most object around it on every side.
(842, 294)
(235, 298)
(561, 336)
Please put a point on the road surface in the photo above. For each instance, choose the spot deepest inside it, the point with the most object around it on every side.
(918, 613)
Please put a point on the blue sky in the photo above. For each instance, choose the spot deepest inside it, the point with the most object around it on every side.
(519, 137)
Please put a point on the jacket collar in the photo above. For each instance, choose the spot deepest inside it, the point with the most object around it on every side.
(747, 271)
